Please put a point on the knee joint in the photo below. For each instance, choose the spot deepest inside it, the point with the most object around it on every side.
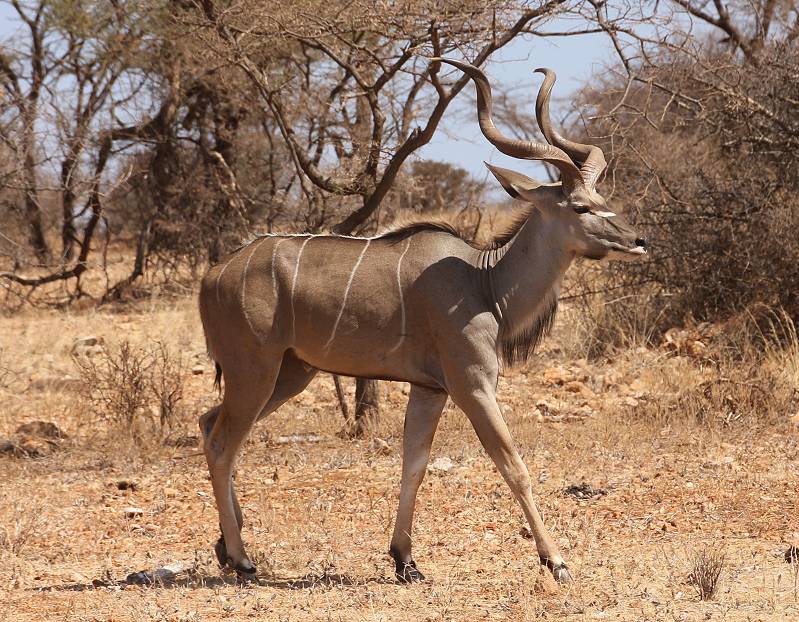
(519, 480)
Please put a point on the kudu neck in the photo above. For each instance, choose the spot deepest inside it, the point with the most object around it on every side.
(525, 275)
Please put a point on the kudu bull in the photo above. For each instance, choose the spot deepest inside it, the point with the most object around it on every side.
(418, 304)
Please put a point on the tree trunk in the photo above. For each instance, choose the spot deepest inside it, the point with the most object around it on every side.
(367, 406)
(68, 231)
(33, 213)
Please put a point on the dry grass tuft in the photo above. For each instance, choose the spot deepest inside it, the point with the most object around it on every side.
(741, 372)
(17, 535)
(706, 568)
(746, 393)
(5, 372)
(603, 323)
(136, 389)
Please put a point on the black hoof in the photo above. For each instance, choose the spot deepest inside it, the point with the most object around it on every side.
(245, 572)
(559, 571)
(247, 578)
(221, 551)
(407, 572)
(245, 567)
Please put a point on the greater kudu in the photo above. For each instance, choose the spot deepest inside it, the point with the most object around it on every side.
(418, 304)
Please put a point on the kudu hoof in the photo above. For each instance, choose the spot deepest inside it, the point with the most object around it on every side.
(407, 572)
(245, 572)
(247, 578)
(559, 571)
(562, 574)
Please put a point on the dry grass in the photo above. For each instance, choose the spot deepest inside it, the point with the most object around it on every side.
(706, 568)
(319, 513)
(137, 389)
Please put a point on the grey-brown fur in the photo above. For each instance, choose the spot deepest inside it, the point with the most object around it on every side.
(419, 305)
(515, 347)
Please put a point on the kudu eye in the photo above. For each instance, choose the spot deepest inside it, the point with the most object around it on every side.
(582, 209)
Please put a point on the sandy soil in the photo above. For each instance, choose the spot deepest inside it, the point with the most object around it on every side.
(319, 509)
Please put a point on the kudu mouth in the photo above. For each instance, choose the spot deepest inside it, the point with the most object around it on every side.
(617, 237)
(626, 253)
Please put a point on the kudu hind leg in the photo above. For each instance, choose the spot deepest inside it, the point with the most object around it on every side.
(206, 425)
(421, 420)
(207, 422)
(225, 431)
(295, 375)
(483, 412)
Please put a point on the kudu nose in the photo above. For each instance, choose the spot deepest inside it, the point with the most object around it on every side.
(640, 242)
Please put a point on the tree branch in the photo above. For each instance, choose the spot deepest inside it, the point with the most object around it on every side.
(421, 136)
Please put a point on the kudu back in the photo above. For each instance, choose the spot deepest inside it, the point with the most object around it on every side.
(418, 304)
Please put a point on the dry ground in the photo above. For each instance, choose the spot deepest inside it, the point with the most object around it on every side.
(319, 512)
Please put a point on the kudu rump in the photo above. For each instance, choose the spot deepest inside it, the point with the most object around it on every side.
(418, 304)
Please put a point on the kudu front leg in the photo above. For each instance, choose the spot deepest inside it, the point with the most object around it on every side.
(484, 413)
(421, 420)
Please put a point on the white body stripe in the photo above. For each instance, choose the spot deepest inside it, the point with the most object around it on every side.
(219, 276)
(274, 275)
(346, 293)
(401, 298)
(294, 283)
(255, 247)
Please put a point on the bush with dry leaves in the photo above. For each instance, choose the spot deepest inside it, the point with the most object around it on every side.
(138, 390)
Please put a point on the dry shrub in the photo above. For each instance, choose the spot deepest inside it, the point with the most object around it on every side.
(4, 371)
(136, 390)
(738, 395)
(712, 184)
(166, 384)
(706, 568)
(16, 535)
(748, 373)
(602, 322)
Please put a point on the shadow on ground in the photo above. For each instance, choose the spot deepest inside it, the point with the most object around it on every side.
(195, 581)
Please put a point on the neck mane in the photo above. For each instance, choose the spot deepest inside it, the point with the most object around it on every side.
(500, 239)
(522, 281)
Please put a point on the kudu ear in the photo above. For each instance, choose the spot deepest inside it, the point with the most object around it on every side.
(517, 185)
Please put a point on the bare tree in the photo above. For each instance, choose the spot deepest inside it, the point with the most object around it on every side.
(437, 186)
(100, 89)
(85, 67)
(22, 77)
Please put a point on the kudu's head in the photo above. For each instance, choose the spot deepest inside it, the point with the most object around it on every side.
(592, 229)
